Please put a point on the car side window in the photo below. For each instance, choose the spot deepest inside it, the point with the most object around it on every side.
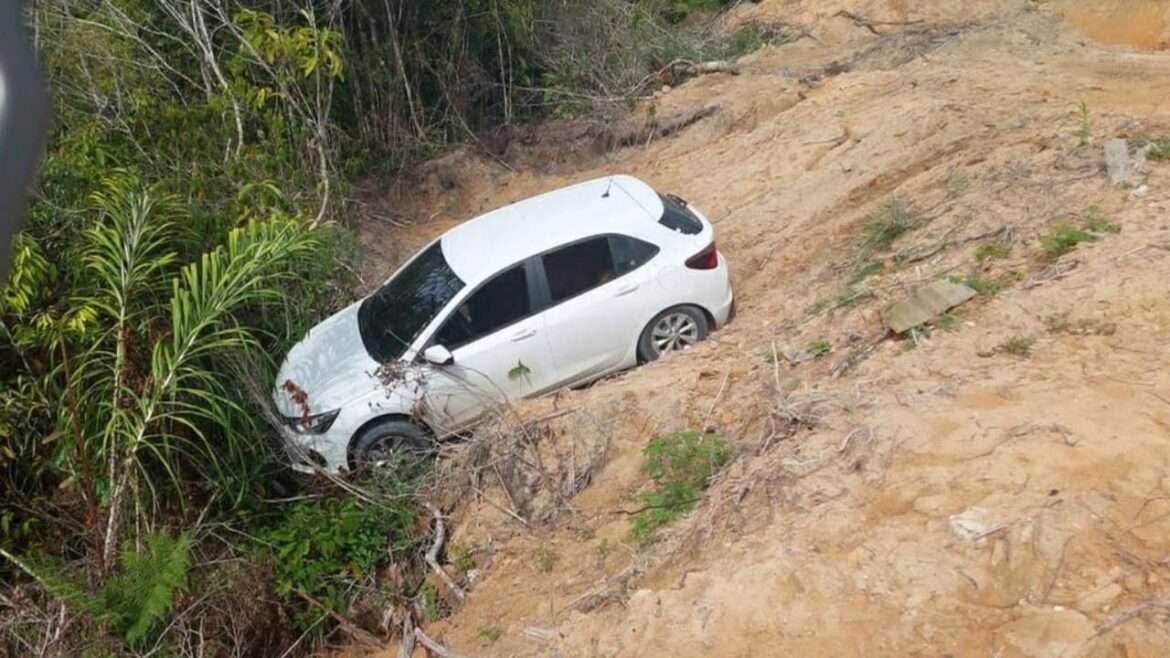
(630, 253)
(497, 304)
(578, 267)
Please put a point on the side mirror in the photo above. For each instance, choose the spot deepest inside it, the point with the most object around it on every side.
(439, 355)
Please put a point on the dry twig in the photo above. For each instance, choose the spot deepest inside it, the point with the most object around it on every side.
(434, 646)
(432, 556)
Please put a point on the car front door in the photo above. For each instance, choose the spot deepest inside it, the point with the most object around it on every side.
(600, 298)
(496, 336)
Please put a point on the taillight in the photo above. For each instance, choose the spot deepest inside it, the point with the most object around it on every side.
(707, 259)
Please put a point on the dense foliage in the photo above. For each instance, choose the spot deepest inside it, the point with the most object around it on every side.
(186, 228)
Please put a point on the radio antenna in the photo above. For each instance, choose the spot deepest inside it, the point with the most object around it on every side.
(607, 187)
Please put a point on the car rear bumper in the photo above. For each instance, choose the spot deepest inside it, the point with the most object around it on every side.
(725, 311)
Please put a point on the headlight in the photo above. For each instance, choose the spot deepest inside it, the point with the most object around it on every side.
(315, 424)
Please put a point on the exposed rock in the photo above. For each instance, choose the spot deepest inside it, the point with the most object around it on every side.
(1056, 633)
(1117, 162)
(970, 524)
(925, 304)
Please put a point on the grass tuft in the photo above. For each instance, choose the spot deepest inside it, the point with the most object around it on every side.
(819, 348)
(986, 252)
(1065, 238)
(681, 465)
(885, 226)
(546, 558)
(1017, 346)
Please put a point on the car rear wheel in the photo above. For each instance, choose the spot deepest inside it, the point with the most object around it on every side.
(397, 445)
(676, 328)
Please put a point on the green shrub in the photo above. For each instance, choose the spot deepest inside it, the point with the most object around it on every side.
(322, 546)
(681, 465)
(138, 595)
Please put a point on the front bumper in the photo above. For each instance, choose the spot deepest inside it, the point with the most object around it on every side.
(313, 453)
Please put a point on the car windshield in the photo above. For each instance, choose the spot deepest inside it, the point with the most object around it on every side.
(390, 319)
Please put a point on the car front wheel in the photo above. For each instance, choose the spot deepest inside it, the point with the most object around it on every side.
(397, 445)
(676, 328)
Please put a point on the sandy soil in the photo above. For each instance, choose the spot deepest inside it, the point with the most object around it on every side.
(951, 499)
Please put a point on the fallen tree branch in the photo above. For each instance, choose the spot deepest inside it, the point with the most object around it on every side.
(872, 25)
(434, 646)
(638, 135)
(406, 649)
(355, 631)
(432, 556)
(1132, 614)
(947, 244)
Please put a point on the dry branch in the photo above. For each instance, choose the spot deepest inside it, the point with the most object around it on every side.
(1131, 614)
(432, 556)
(406, 649)
(872, 25)
(348, 626)
(434, 646)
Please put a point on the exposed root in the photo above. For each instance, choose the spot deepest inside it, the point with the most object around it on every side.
(433, 646)
(432, 556)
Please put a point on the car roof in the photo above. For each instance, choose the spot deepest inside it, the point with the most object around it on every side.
(488, 243)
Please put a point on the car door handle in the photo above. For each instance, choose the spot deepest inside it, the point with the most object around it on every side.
(523, 334)
(627, 289)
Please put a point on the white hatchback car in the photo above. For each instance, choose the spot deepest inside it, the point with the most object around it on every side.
(553, 291)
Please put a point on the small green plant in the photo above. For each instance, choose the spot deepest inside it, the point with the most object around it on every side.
(747, 39)
(915, 335)
(850, 296)
(845, 298)
(1159, 149)
(885, 226)
(546, 558)
(864, 272)
(1085, 133)
(1064, 239)
(519, 370)
(490, 632)
(957, 183)
(948, 322)
(1017, 346)
(139, 594)
(1098, 222)
(431, 602)
(463, 557)
(680, 465)
(993, 250)
(980, 284)
(602, 551)
(819, 348)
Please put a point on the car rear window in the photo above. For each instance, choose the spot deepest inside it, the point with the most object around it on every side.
(677, 217)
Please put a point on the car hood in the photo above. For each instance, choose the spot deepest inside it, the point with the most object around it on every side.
(330, 365)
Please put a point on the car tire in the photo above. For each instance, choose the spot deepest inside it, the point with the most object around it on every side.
(674, 329)
(392, 442)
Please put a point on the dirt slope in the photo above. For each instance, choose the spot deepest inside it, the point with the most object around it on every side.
(953, 499)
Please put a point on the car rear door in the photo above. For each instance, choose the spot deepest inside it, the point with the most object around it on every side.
(497, 337)
(600, 297)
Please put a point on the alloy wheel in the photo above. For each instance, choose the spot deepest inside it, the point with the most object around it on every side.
(674, 331)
